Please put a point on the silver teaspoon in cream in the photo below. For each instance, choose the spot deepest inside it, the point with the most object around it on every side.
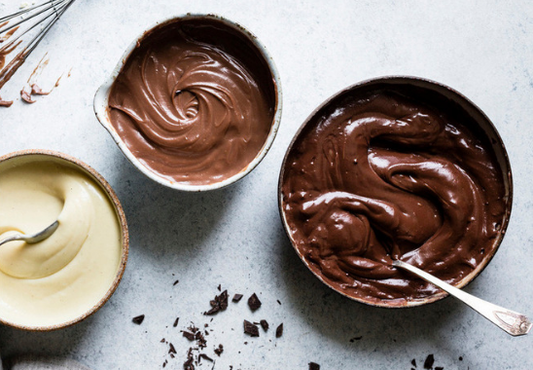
(511, 322)
(31, 239)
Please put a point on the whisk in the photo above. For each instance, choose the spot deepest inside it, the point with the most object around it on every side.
(24, 30)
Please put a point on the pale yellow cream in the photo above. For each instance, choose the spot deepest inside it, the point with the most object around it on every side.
(63, 277)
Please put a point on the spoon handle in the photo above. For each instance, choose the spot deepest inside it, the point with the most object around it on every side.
(511, 322)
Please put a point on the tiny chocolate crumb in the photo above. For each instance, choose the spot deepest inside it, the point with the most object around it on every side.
(278, 301)
(165, 363)
(138, 319)
(413, 362)
(188, 365)
(460, 358)
(219, 287)
(430, 360)
(250, 329)
(176, 283)
(279, 330)
(253, 302)
(264, 324)
(171, 349)
(176, 322)
(237, 298)
(314, 366)
(439, 368)
(219, 350)
(205, 357)
(356, 338)
(162, 340)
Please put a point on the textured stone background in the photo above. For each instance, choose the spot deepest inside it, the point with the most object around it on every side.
(233, 236)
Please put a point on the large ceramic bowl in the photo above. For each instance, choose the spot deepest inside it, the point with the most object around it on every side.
(63, 288)
(267, 71)
(324, 229)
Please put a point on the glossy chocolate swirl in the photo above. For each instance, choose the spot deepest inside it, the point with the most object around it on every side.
(188, 102)
(382, 176)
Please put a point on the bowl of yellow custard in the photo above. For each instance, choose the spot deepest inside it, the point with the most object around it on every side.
(67, 277)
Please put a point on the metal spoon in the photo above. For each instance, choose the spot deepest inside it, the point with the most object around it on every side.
(31, 239)
(512, 322)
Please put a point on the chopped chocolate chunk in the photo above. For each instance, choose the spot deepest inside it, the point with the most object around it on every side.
(219, 350)
(356, 338)
(189, 336)
(439, 368)
(205, 357)
(171, 349)
(278, 301)
(460, 358)
(200, 339)
(237, 298)
(264, 324)
(138, 319)
(163, 340)
(413, 362)
(176, 283)
(176, 322)
(188, 365)
(430, 360)
(165, 363)
(253, 302)
(220, 303)
(314, 366)
(279, 330)
(26, 96)
(250, 329)
(219, 287)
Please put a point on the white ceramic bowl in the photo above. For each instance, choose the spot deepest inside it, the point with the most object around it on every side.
(101, 107)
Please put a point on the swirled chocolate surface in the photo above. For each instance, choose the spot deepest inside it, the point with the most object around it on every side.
(194, 101)
(393, 172)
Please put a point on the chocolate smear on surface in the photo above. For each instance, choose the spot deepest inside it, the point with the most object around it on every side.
(279, 330)
(219, 303)
(253, 302)
(430, 360)
(26, 96)
(138, 319)
(237, 298)
(36, 90)
(250, 329)
(5, 103)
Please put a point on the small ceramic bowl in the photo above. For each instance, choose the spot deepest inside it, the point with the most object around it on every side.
(430, 92)
(102, 109)
(29, 156)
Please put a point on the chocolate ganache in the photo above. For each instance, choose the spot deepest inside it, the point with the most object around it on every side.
(194, 101)
(393, 171)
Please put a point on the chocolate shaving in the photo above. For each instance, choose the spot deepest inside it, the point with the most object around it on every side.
(220, 303)
(264, 324)
(5, 103)
(277, 300)
(219, 350)
(279, 330)
(250, 329)
(176, 322)
(430, 360)
(205, 357)
(189, 336)
(26, 97)
(314, 366)
(138, 319)
(171, 349)
(253, 302)
(188, 365)
(237, 298)
(175, 283)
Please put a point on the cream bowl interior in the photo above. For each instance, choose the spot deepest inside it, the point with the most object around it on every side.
(62, 294)
(101, 107)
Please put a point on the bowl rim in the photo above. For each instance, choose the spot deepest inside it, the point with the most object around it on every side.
(121, 217)
(101, 106)
(503, 161)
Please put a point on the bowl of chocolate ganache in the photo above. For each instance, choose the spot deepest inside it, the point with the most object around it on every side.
(194, 103)
(395, 168)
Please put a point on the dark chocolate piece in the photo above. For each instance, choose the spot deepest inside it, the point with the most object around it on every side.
(205, 357)
(430, 360)
(175, 283)
(219, 303)
(171, 349)
(189, 336)
(279, 330)
(176, 322)
(314, 366)
(413, 362)
(138, 319)
(250, 329)
(264, 324)
(188, 365)
(237, 298)
(439, 368)
(219, 350)
(253, 302)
